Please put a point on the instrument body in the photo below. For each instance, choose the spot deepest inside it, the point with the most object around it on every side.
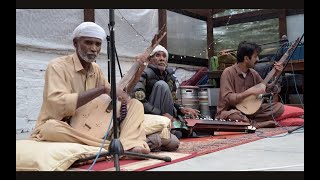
(94, 118)
(219, 125)
(252, 103)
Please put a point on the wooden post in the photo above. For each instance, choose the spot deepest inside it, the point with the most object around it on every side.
(210, 34)
(210, 40)
(162, 13)
(88, 15)
(282, 23)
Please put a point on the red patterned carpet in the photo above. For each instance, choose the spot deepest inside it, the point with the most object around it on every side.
(224, 140)
(189, 148)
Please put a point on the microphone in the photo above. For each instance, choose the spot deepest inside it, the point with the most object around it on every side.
(284, 38)
(265, 95)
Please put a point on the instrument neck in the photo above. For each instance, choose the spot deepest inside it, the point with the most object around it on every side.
(273, 71)
(282, 60)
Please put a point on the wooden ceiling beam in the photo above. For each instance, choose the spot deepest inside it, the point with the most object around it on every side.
(216, 11)
(258, 15)
(189, 13)
(201, 14)
(246, 17)
(291, 12)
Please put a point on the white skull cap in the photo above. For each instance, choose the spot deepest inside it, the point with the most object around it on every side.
(89, 29)
(159, 48)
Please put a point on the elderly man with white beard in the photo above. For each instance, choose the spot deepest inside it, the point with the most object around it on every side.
(156, 89)
(74, 80)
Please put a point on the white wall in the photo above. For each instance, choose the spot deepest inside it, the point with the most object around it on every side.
(295, 27)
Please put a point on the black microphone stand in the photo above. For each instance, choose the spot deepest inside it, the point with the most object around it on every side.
(115, 148)
(108, 51)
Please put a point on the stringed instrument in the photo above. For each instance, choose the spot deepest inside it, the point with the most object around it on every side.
(93, 118)
(219, 125)
(252, 103)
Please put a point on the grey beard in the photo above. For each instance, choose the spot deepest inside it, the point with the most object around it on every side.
(85, 58)
(161, 68)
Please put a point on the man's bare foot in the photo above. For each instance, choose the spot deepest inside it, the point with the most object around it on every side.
(139, 149)
(265, 124)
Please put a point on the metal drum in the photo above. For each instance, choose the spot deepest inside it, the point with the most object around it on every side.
(204, 100)
(213, 97)
(188, 96)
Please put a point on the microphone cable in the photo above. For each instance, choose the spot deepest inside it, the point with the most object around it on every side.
(102, 144)
(277, 123)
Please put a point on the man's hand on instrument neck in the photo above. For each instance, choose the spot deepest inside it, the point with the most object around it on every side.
(142, 59)
(278, 67)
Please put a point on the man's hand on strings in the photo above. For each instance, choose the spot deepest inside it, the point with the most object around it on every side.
(192, 112)
(257, 89)
(122, 95)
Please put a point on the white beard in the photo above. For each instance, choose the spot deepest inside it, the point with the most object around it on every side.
(85, 57)
(162, 68)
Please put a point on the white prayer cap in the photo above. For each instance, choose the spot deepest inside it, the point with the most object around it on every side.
(159, 48)
(89, 29)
